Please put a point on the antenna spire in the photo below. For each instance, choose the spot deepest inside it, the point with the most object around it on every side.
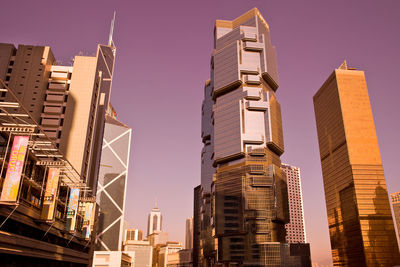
(110, 37)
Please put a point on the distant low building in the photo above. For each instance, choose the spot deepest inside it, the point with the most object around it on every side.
(182, 258)
(143, 252)
(162, 251)
(157, 238)
(113, 259)
(133, 234)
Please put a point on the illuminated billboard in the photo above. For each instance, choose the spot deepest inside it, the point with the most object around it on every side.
(50, 194)
(88, 219)
(9, 193)
(72, 209)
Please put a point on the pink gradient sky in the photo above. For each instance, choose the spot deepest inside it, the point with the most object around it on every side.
(163, 60)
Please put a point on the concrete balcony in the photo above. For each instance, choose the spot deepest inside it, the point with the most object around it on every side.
(249, 36)
(257, 105)
(57, 86)
(256, 151)
(255, 169)
(53, 109)
(262, 181)
(249, 69)
(249, 138)
(251, 79)
(59, 75)
(253, 46)
(55, 98)
(50, 122)
(252, 93)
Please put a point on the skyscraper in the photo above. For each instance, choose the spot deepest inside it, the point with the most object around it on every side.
(295, 229)
(189, 233)
(61, 110)
(244, 202)
(359, 217)
(154, 223)
(112, 182)
(68, 102)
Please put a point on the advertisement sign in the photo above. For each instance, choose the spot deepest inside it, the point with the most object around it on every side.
(72, 209)
(14, 169)
(88, 219)
(50, 194)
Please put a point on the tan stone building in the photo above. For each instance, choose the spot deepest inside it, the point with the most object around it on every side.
(359, 217)
(70, 98)
(62, 111)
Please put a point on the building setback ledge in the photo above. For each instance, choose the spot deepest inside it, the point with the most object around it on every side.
(225, 89)
(270, 81)
(228, 158)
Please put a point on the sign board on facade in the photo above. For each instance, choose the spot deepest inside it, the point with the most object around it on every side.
(12, 181)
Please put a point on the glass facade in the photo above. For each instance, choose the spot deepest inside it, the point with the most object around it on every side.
(359, 217)
(241, 207)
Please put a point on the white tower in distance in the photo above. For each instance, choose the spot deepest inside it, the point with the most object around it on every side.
(154, 221)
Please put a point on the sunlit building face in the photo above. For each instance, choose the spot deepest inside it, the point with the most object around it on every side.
(359, 217)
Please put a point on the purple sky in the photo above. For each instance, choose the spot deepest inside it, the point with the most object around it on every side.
(163, 55)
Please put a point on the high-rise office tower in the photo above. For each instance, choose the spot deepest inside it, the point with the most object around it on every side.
(244, 202)
(396, 209)
(295, 229)
(112, 182)
(154, 223)
(68, 102)
(359, 217)
(189, 233)
(65, 107)
(26, 71)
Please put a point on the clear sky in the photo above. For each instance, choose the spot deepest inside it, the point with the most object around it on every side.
(163, 56)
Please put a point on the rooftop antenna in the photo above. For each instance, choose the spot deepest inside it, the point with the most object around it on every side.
(110, 37)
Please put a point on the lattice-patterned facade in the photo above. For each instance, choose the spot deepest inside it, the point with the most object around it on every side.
(112, 183)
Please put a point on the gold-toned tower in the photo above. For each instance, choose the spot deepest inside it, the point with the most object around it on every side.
(360, 221)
